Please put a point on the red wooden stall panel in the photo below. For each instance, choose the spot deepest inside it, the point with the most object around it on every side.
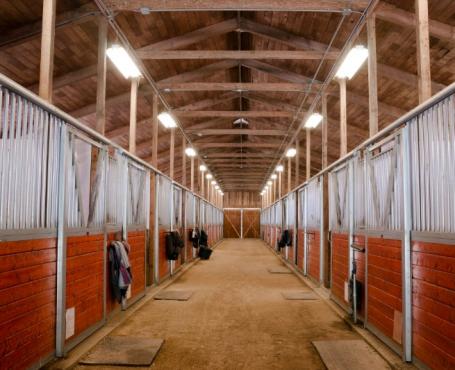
(384, 286)
(84, 280)
(300, 249)
(27, 302)
(136, 240)
(314, 246)
(433, 301)
(163, 262)
(340, 262)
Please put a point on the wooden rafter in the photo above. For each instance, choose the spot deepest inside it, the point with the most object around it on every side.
(237, 132)
(237, 5)
(231, 114)
(232, 86)
(235, 54)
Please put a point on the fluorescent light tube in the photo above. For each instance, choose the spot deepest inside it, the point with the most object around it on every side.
(190, 152)
(291, 152)
(352, 63)
(122, 60)
(313, 121)
(167, 120)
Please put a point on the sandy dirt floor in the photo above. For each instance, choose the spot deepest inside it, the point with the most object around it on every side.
(237, 317)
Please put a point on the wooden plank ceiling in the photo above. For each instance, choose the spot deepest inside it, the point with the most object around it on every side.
(216, 63)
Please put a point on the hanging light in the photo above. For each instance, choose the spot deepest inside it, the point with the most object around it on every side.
(213, 182)
(190, 152)
(274, 176)
(122, 60)
(217, 187)
(167, 120)
(269, 182)
(313, 121)
(279, 168)
(208, 176)
(291, 152)
(353, 61)
(202, 168)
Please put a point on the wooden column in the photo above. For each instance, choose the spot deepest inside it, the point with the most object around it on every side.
(279, 184)
(183, 161)
(297, 162)
(372, 76)
(192, 175)
(202, 184)
(324, 130)
(423, 50)
(343, 118)
(308, 154)
(133, 115)
(155, 132)
(47, 50)
(289, 173)
(171, 154)
(101, 76)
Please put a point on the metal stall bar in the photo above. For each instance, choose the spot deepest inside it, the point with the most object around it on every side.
(406, 247)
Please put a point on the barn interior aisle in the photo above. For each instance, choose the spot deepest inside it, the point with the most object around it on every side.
(237, 317)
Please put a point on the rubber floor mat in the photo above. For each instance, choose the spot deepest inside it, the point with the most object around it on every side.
(303, 296)
(174, 295)
(349, 355)
(279, 270)
(124, 351)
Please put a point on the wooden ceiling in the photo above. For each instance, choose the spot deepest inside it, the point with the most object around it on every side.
(246, 59)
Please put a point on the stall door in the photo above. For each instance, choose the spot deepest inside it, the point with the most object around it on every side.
(232, 223)
(250, 221)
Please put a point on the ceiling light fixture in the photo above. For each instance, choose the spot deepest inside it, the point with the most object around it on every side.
(202, 168)
(208, 176)
(291, 152)
(122, 60)
(213, 182)
(279, 168)
(313, 121)
(190, 152)
(274, 176)
(353, 61)
(167, 120)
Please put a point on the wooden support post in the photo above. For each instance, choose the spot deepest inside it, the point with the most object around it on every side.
(202, 184)
(279, 184)
(47, 50)
(308, 154)
(155, 132)
(289, 173)
(324, 130)
(372, 76)
(423, 50)
(297, 162)
(171, 154)
(133, 115)
(343, 118)
(101, 76)
(183, 161)
(192, 175)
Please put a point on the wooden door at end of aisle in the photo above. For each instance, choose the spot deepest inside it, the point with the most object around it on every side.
(251, 224)
(232, 227)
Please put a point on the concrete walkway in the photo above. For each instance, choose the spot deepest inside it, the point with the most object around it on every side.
(237, 317)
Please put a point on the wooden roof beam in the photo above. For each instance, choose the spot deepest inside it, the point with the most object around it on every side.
(393, 14)
(237, 132)
(203, 146)
(238, 5)
(235, 54)
(232, 86)
(33, 30)
(206, 103)
(231, 114)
